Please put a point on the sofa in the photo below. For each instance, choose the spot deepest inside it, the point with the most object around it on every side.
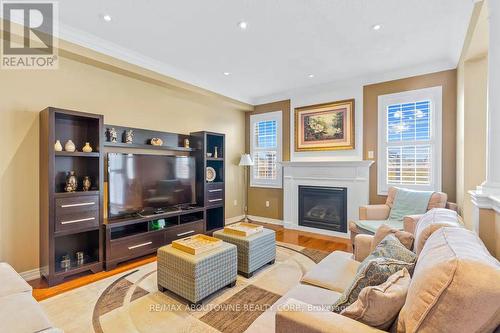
(19, 311)
(382, 212)
(454, 287)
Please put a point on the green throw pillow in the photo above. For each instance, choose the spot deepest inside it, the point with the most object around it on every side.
(390, 247)
(374, 272)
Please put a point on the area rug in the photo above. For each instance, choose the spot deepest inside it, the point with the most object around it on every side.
(131, 302)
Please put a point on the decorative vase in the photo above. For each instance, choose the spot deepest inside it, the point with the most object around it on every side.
(86, 183)
(70, 146)
(129, 136)
(216, 154)
(58, 146)
(186, 143)
(87, 148)
(71, 182)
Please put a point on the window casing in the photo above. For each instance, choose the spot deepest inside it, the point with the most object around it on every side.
(409, 140)
(266, 149)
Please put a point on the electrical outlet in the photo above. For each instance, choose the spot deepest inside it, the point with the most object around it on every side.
(267, 204)
(371, 154)
(235, 202)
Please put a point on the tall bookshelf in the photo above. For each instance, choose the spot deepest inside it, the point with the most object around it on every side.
(70, 222)
(210, 194)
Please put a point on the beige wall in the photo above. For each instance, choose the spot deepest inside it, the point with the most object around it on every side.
(257, 196)
(126, 96)
(446, 79)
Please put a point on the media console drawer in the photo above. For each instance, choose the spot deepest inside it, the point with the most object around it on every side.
(136, 245)
(184, 230)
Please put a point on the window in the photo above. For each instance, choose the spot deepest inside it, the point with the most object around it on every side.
(265, 148)
(409, 143)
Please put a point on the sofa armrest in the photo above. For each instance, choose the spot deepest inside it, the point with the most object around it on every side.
(374, 212)
(362, 246)
(298, 317)
(452, 206)
(410, 223)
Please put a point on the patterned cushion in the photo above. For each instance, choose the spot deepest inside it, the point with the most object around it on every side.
(390, 247)
(375, 272)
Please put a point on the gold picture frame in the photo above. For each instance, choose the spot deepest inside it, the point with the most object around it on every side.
(327, 126)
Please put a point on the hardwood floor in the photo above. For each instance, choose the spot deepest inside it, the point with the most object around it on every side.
(307, 239)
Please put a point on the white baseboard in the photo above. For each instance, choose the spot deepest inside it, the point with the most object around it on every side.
(31, 274)
(265, 220)
(234, 219)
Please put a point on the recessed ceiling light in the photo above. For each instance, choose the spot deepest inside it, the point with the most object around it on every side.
(243, 25)
(227, 73)
(376, 27)
(310, 76)
(106, 18)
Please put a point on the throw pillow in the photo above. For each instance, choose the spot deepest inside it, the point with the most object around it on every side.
(390, 247)
(375, 272)
(404, 237)
(409, 202)
(378, 306)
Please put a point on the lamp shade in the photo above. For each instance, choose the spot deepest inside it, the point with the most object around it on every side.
(246, 160)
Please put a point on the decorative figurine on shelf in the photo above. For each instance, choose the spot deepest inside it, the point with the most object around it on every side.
(216, 154)
(129, 136)
(70, 146)
(186, 143)
(65, 261)
(86, 183)
(156, 142)
(87, 148)
(112, 135)
(79, 258)
(58, 146)
(71, 182)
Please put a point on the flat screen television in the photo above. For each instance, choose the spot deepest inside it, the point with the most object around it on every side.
(147, 184)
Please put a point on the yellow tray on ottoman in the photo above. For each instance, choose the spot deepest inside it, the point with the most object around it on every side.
(243, 229)
(196, 244)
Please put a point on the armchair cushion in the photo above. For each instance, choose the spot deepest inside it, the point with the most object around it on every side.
(372, 225)
(378, 306)
(408, 202)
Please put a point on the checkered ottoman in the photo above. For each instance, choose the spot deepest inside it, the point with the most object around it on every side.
(254, 251)
(195, 277)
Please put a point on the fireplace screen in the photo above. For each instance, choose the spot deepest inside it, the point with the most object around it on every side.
(323, 207)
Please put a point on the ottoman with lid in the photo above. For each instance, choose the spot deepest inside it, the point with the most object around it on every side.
(254, 251)
(194, 277)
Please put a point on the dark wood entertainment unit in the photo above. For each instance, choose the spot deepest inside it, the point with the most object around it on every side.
(76, 221)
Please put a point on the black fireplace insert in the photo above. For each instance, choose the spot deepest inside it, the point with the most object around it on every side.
(323, 207)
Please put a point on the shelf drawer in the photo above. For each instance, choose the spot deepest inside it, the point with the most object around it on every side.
(214, 194)
(131, 247)
(185, 230)
(74, 205)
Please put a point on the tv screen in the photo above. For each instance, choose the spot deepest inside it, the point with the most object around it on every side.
(147, 183)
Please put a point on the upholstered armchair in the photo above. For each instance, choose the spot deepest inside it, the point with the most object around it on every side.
(378, 214)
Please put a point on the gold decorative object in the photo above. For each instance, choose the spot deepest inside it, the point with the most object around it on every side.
(70, 146)
(86, 183)
(196, 244)
(58, 146)
(186, 143)
(216, 153)
(156, 142)
(210, 174)
(87, 148)
(71, 182)
(328, 126)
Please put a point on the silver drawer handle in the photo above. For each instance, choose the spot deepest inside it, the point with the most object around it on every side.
(139, 245)
(77, 221)
(214, 200)
(185, 233)
(218, 190)
(78, 204)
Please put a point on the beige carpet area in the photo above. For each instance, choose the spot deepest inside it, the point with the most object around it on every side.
(131, 302)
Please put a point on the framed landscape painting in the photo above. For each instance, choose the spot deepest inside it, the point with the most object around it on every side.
(328, 126)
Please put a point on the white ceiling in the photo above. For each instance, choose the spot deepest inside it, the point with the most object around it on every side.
(198, 40)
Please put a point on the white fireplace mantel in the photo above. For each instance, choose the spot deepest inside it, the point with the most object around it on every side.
(353, 175)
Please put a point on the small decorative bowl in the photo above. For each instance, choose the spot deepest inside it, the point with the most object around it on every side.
(209, 154)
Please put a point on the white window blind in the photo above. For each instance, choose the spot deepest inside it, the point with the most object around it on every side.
(265, 138)
(410, 140)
